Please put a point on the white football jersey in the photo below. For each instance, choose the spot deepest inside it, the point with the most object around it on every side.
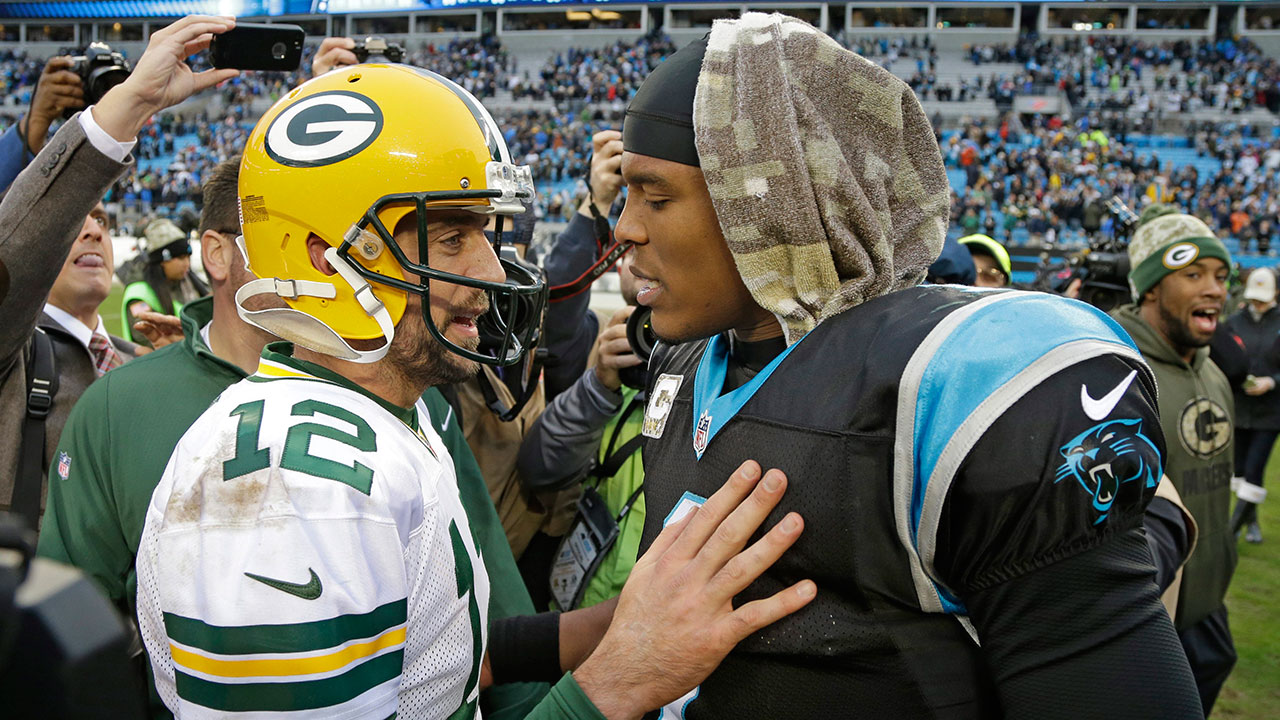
(306, 555)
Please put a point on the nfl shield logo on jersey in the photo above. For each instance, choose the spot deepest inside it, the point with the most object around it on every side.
(701, 434)
(64, 465)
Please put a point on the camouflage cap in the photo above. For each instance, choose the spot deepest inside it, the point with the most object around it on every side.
(1168, 241)
(163, 240)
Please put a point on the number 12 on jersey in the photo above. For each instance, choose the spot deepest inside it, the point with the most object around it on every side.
(297, 445)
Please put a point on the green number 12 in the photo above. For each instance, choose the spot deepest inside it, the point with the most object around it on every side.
(297, 445)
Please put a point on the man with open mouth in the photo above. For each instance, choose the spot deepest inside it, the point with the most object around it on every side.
(1179, 284)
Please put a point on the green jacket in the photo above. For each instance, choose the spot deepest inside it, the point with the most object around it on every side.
(117, 443)
(134, 292)
(1196, 411)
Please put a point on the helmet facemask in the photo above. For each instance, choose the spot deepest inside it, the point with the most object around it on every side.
(513, 321)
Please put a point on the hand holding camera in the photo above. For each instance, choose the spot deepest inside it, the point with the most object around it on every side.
(162, 78)
(59, 91)
(613, 352)
(606, 169)
(336, 52)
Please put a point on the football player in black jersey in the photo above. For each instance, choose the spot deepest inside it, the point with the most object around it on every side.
(972, 465)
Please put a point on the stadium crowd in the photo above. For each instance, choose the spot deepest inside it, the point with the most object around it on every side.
(1050, 173)
(1229, 75)
(514, 552)
(1053, 176)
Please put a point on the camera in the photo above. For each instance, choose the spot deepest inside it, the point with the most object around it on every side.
(641, 337)
(374, 49)
(64, 650)
(1102, 268)
(100, 68)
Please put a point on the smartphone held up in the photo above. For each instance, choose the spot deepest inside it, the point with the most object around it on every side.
(258, 46)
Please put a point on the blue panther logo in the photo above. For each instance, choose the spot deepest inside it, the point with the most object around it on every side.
(1106, 456)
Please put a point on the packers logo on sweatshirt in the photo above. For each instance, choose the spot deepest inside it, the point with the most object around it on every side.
(1205, 427)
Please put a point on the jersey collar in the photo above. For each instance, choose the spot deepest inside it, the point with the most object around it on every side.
(278, 362)
(713, 408)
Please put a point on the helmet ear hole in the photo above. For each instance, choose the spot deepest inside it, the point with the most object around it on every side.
(316, 247)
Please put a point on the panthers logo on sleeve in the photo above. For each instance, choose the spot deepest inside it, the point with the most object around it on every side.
(1109, 455)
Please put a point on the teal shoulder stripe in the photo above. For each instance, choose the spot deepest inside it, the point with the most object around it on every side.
(298, 637)
(284, 696)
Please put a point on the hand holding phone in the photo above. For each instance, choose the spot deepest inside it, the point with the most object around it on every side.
(258, 46)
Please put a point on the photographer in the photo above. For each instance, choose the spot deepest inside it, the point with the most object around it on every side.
(57, 90)
(50, 207)
(568, 444)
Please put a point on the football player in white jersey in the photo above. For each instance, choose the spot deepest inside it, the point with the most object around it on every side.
(306, 553)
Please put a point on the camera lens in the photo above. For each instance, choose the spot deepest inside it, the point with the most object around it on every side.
(278, 51)
(640, 333)
(641, 338)
(102, 79)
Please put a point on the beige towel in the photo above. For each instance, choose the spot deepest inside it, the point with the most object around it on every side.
(823, 169)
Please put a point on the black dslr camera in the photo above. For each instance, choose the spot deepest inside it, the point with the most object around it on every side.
(374, 49)
(100, 68)
(1103, 267)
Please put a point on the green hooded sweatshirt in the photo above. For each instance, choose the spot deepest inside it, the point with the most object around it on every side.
(1196, 411)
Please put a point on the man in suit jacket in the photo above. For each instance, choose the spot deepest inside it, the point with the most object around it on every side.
(46, 232)
(82, 347)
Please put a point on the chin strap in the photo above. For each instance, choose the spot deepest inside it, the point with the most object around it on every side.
(304, 330)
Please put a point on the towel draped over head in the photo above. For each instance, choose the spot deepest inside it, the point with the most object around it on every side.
(823, 169)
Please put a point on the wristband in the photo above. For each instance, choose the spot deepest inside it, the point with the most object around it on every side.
(525, 648)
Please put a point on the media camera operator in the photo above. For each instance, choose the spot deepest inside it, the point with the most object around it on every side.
(57, 90)
(1098, 274)
(66, 85)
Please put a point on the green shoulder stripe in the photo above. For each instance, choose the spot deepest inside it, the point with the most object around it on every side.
(299, 637)
(283, 696)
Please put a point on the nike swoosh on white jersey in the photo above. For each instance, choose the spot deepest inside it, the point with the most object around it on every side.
(1102, 407)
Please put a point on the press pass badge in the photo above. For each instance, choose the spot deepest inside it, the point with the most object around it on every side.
(594, 531)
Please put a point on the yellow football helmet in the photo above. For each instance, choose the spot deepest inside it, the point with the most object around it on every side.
(345, 157)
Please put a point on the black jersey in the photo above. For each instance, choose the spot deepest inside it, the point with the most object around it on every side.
(939, 443)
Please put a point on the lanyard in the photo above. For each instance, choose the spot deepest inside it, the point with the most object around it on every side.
(614, 459)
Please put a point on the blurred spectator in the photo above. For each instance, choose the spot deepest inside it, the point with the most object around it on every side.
(167, 281)
(1257, 324)
(990, 260)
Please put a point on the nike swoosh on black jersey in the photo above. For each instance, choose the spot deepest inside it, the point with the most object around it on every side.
(307, 591)
(1102, 407)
